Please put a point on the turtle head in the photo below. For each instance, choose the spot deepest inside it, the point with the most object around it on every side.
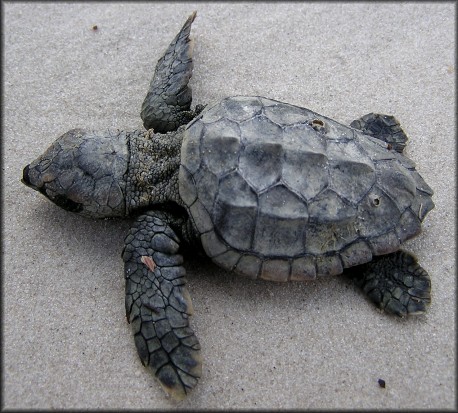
(83, 172)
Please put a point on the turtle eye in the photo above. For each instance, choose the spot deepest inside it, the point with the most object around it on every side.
(67, 204)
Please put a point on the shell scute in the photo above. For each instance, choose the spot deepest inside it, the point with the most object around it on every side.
(242, 108)
(249, 265)
(235, 211)
(221, 153)
(352, 173)
(281, 223)
(284, 114)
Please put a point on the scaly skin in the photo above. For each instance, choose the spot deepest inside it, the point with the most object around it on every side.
(395, 283)
(152, 177)
(158, 305)
(168, 102)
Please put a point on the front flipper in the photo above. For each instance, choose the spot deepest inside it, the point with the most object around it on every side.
(395, 282)
(158, 305)
(383, 127)
(168, 102)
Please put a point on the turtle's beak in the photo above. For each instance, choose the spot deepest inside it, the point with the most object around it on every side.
(25, 177)
(32, 177)
(30, 182)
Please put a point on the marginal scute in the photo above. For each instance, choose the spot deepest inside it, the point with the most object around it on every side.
(422, 204)
(355, 254)
(275, 270)
(212, 245)
(409, 225)
(420, 183)
(190, 151)
(385, 243)
(284, 114)
(303, 268)
(406, 163)
(240, 108)
(188, 190)
(116, 197)
(201, 218)
(329, 264)
(248, 266)
(227, 260)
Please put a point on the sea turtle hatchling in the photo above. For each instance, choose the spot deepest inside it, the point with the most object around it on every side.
(268, 190)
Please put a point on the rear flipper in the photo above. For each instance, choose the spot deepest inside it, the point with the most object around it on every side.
(395, 282)
(383, 127)
(168, 102)
(158, 305)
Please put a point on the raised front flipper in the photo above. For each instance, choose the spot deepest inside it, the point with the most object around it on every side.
(395, 282)
(158, 305)
(168, 102)
(383, 127)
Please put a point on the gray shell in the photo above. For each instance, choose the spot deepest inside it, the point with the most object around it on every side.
(281, 193)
